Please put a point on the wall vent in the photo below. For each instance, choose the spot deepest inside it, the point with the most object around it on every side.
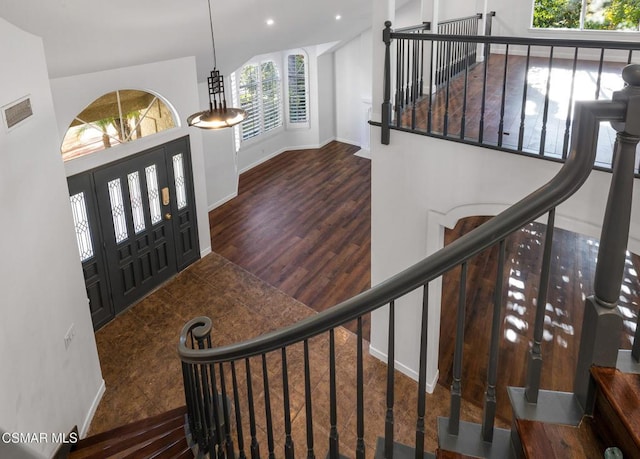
(17, 112)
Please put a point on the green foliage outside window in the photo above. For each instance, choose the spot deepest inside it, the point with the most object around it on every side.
(599, 14)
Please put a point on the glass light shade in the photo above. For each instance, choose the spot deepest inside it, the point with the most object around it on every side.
(217, 118)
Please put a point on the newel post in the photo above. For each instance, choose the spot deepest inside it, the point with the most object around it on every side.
(386, 103)
(602, 322)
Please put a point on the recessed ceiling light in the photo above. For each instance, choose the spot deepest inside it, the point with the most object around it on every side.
(270, 21)
(338, 17)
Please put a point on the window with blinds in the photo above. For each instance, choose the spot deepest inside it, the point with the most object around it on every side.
(259, 93)
(297, 88)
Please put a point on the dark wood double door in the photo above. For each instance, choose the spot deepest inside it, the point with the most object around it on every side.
(136, 225)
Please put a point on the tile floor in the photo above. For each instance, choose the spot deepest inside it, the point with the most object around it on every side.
(143, 376)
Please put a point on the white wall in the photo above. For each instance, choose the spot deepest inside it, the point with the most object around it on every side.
(45, 388)
(326, 98)
(428, 184)
(174, 80)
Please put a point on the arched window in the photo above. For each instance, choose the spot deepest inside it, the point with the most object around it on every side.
(117, 117)
(259, 92)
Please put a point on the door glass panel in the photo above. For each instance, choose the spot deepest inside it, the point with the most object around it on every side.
(136, 202)
(154, 195)
(117, 210)
(181, 189)
(81, 223)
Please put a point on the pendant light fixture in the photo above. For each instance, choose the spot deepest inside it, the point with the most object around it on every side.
(219, 115)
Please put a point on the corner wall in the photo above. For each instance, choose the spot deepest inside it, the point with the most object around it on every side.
(45, 387)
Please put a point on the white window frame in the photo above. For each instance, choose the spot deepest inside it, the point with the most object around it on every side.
(258, 105)
(297, 124)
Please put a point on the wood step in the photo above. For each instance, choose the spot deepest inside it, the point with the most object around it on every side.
(444, 454)
(617, 409)
(547, 440)
(146, 438)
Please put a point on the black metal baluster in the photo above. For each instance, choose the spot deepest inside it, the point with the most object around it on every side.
(386, 103)
(422, 68)
(414, 89)
(215, 401)
(225, 413)
(567, 128)
(484, 94)
(504, 95)
(288, 441)
(463, 120)
(489, 413)
(545, 112)
(524, 99)
(629, 58)
(456, 385)
(407, 92)
(388, 424)
(599, 79)
(422, 375)
(446, 94)
(431, 75)
(635, 350)
(398, 103)
(534, 366)
(334, 445)
(236, 404)
(255, 446)
(307, 402)
(267, 408)
(360, 395)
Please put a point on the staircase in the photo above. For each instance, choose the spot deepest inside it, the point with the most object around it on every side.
(160, 437)
(263, 397)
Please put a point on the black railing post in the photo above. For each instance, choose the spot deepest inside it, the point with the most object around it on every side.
(386, 103)
(602, 323)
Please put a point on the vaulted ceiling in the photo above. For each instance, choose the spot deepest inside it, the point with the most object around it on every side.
(82, 36)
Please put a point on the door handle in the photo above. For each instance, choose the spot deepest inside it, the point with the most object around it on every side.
(167, 216)
(165, 196)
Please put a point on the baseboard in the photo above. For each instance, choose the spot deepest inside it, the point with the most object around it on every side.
(348, 141)
(223, 201)
(92, 410)
(431, 385)
(206, 251)
(296, 147)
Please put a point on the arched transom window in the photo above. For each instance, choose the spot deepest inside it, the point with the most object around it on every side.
(117, 117)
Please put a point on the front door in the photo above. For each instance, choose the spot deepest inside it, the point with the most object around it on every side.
(144, 216)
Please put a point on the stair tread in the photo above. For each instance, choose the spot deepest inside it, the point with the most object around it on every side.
(543, 439)
(617, 409)
(125, 438)
(622, 390)
(155, 447)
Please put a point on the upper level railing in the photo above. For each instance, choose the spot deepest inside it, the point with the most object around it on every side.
(518, 97)
(241, 378)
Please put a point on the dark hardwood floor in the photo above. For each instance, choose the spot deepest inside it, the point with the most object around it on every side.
(570, 282)
(302, 223)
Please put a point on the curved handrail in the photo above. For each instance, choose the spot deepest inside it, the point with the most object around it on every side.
(567, 181)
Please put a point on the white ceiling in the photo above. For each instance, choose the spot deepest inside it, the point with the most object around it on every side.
(82, 36)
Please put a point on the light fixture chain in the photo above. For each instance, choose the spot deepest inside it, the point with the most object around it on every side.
(213, 41)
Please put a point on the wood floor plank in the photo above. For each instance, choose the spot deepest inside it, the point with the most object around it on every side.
(302, 223)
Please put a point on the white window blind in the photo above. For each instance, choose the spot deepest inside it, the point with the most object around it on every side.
(297, 87)
(259, 93)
